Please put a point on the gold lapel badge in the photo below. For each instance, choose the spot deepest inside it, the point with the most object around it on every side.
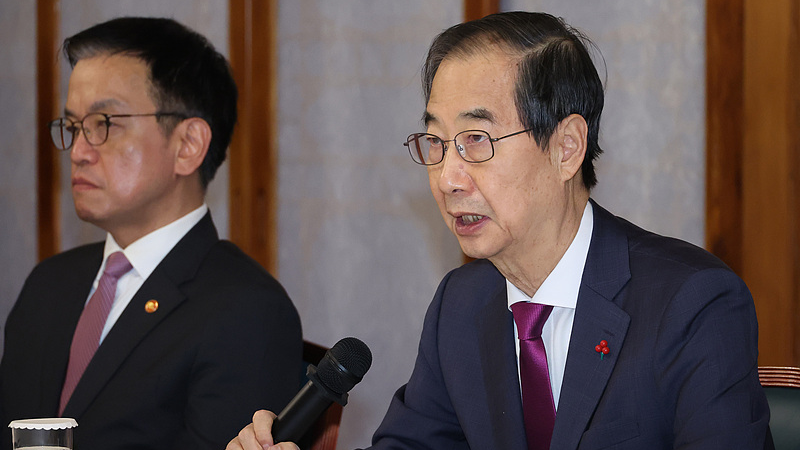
(151, 306)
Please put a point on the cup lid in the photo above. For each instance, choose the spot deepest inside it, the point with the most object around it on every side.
(56, 423)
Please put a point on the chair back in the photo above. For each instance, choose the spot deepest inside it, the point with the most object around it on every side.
(325, 431)
(782, 386)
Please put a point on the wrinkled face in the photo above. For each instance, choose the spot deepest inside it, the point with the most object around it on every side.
(500, 208)
(127, 181)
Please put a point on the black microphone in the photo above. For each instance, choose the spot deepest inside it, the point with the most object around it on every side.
(342, 367)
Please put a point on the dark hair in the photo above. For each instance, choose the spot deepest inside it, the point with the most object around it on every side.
(556, 75)
(187, 74)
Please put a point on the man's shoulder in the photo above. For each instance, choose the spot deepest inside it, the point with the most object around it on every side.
(226, 254)
(227, 283)
(473, 283)
(670, 252)
(88, 254)
(227, 267)
(204, 259)
(479, 270)
(646, 248)
(665, 268)
(60, 276)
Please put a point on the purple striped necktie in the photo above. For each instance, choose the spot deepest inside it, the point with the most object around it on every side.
(93, 318)
(537, 396)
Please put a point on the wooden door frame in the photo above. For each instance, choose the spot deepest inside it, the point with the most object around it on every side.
(753, 160)
(48, 228)
(253, 153)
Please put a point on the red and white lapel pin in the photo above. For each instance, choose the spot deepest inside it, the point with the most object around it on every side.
(602, 348)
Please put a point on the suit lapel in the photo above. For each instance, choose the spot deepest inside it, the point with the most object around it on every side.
(498, 359)
(164, 286)
(597, 317)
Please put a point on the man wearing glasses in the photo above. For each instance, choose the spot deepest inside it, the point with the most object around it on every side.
(573, 329)
(163, 336)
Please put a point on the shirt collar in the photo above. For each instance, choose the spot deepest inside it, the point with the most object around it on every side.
(561, 287)
(146, 253)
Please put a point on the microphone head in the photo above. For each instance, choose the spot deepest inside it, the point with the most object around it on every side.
(344, 365)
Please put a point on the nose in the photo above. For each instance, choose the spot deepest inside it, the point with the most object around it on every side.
(452, 173)
(82, 152)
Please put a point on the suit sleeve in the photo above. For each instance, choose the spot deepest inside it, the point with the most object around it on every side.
(246, 362)
(706, 367)
(421, 415)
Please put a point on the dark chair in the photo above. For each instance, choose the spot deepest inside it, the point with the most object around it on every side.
(782, 386)
(323, 433)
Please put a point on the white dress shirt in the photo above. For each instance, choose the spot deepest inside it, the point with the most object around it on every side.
(559, 289)
(144, 255)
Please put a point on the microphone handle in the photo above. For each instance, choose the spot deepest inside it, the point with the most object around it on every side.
(295, 419)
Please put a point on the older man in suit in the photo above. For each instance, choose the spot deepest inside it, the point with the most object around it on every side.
(164, 336)
(574, 329)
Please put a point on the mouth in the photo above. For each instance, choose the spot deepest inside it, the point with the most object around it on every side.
(469, 224)
(82, 183)
(469, 219)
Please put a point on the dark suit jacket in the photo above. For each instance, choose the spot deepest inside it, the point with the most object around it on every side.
(681, 373)
(187, 376)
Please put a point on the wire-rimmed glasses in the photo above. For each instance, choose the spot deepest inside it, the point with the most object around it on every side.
(475, 146)
(64, 131)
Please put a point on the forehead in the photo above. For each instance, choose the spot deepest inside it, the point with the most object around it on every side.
(478, 86)
(107, 83)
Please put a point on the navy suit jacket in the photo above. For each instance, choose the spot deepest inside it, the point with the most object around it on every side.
(187, 376)
(681, 373)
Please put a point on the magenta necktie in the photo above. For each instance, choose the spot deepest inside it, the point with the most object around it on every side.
(90, 325)
(537, 397)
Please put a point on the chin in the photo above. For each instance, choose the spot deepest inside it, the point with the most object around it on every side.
(88, 216)
(473, 251)
(83, 215)
(485, 246)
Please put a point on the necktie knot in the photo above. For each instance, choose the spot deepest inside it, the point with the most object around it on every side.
(117, 265)
(530, 318)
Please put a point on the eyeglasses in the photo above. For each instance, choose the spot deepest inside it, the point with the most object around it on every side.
(64, 131)
(475, 146)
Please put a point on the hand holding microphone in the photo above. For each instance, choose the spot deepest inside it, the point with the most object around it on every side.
(342, 367)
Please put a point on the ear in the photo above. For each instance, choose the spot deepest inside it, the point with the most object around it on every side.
(193, 138)
(571, 141)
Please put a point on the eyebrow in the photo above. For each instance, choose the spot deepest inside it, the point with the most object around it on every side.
(97, 106)
(479, 114)
(427, 118)
(475, 114)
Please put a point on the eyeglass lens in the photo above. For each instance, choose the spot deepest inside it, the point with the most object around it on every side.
(64, 131)
(428, 149)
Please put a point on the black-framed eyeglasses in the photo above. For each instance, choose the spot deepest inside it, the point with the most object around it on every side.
(474, 146)
(64, 131)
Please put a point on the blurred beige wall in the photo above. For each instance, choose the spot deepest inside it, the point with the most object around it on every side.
(17, 148)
